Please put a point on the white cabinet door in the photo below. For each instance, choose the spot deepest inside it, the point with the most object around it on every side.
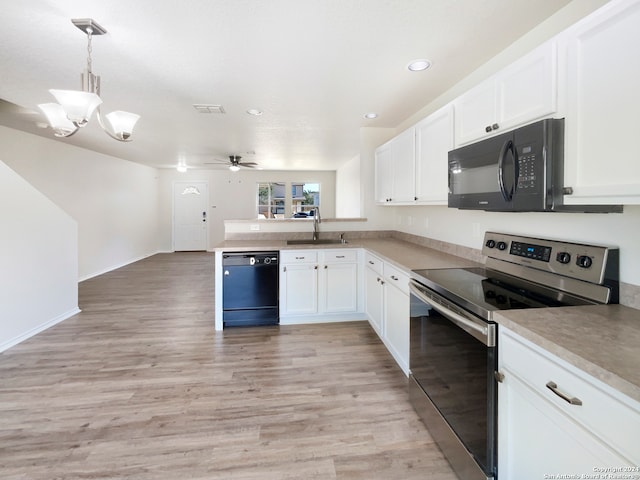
(395, 169)
(434, 139)
(475, 112)
(536, 441)
(384, 173)
(396, 306)
(374, 300)
(403, 147)
(527, 89)
(603, 77)
(521, 93)
(298, 289)
(340, 286)
(550, 416)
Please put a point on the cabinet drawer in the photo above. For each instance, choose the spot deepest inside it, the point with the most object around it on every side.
(298, 256)
(373, 262)
(340, 256)
(608, 414)
(397, 277)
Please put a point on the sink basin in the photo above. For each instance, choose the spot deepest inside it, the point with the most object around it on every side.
(320, 241)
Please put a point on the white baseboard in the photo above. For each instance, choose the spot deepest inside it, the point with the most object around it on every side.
(327, 318)
(40, 328)
(115, 267)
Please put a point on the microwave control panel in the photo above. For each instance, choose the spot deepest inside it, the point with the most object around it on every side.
(527, 168)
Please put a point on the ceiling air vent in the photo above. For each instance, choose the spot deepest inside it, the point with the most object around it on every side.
(208, 108)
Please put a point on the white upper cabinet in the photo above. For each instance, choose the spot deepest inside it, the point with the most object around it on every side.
(521, 93)
(602, 163)
(395, 165)
(384, 173)
(434, 139)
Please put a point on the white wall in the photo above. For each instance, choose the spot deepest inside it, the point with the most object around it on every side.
(233, 196)
(115, 202)
(464, 227)
(348, 201)
(38, 261)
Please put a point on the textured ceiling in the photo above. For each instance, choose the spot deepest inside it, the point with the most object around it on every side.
(315, 67)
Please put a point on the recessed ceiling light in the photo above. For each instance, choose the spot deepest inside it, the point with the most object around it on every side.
(419, 65)
(181, 168)
(371, 115)
(255, 112)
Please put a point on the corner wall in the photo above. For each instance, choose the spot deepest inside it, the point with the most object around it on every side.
(114, 202)
(38, 261)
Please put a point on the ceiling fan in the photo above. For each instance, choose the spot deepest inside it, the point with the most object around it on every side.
(234, 163)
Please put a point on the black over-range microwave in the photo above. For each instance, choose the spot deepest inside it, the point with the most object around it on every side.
(518, 171)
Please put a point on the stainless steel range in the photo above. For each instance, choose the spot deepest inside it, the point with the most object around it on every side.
(453, 349)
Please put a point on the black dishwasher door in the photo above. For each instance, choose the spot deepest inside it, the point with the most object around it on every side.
(250, 289)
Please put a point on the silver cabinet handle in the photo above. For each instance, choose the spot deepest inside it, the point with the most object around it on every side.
(326, 266)
(300, 258)
(553, 386)
(393, 277)
(339, 256)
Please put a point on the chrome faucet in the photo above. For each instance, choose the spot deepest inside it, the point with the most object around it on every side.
(316, 222)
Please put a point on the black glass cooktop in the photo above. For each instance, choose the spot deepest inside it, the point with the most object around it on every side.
(483, 290)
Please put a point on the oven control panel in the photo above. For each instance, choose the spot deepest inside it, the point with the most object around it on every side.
(576, 260)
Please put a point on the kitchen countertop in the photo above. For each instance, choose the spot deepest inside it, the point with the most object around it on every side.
(404, 255)
(602, 340)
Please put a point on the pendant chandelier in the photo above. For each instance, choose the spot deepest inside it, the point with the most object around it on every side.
(75, 107)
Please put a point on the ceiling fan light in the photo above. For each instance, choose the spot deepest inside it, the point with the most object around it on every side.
(122, 123)
(234, 168)
(78, 105)
(57, 118)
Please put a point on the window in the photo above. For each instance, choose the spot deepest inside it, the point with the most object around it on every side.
(284, 199)
(271, 199)
(305, 197)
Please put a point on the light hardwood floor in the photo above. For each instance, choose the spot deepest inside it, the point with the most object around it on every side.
(140, 386)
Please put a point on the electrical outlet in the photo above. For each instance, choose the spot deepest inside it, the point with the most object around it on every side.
(254, 227)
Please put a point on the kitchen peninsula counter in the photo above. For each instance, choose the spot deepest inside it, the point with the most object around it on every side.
(602, 340)
(405, 255)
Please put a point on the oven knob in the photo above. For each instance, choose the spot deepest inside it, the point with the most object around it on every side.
(502, 246)
(501, 299)
(584, 261)
(563, 257)
(267, 260)
(490, 243)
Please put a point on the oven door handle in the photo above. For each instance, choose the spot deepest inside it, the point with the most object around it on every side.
(484, 332)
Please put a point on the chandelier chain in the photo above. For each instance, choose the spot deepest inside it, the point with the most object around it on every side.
(89, 48)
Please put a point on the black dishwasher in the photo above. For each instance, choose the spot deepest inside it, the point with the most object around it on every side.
(250, 289)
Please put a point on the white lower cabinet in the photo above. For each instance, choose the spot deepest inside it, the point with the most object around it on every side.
(298, 282)
(396, 314)
(554, 419)
(387, 307)
(319, 286)
(374, 292)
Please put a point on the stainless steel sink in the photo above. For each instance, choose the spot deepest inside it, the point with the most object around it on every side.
(320, 241)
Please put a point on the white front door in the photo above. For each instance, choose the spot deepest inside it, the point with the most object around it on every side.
(190, 217)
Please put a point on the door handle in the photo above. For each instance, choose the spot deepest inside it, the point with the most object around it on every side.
(506, 147)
